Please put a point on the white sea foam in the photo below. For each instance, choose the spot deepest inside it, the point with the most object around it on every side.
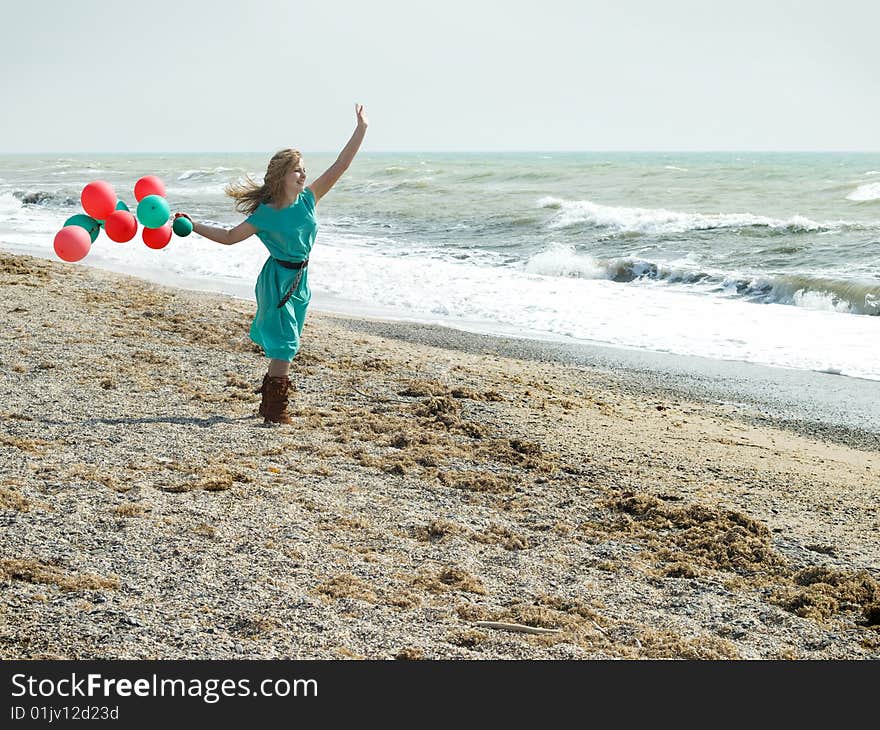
(830, 371)
(819, 300)
(595, 309)
(563, 261)
(868, 191)
(33, 219)
(9, 205)
(658, 220)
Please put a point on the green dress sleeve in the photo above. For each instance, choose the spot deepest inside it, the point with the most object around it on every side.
(255, 217)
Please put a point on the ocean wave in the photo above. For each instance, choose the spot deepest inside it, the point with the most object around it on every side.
(197, 174)
(420, 183)
(49, 198)
(626, 220)
(477, 176)
(563, 261)
(812, 292)
(377, 187)
(868, 191)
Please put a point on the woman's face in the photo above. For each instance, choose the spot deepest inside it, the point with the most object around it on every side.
(295, 180)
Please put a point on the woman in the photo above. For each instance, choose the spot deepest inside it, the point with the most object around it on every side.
(281, 212)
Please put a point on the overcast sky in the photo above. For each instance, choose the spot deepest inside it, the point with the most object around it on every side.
(253, 75)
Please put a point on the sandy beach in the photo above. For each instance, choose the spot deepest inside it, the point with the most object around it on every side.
(440, 495)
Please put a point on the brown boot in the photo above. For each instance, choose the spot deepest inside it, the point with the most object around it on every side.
(274, 406)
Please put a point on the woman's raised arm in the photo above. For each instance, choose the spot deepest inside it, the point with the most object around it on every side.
(321, 186)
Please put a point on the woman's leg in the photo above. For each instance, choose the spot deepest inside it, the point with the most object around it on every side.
(278, 368)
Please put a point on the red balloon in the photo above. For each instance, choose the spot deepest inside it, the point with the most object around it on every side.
(72, 243)
(121, 226)
(156, 237)
(149, 185)
(98, 199)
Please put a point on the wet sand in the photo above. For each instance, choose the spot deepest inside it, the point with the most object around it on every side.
(440, 494)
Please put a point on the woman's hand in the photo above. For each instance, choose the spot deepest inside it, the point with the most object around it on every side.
(183, 215)
(362, 120)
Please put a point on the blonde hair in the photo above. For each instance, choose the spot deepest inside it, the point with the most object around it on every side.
(249, 194)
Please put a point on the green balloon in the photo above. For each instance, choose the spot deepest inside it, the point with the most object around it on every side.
(120, 205)
(85, 221)
(153, 211)
(182, 226)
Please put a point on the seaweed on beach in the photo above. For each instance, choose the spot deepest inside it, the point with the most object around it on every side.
(31, 570)
(545, 620)
(410, 653)
(348, 586)
(130, 509)
(712, 536)
(467, 638)
(666, 644)
(423, 389)
(820, 592)
(686, 537)
(29, 445)
(499, 535)
(17, 270)
(450, 578)
(436, 531)
(10, 499)
(519, 452)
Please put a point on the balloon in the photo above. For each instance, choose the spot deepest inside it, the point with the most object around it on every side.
(120, 205)
(157, 237)
(182, 226)
(98, 199)
(121, 226)
(86, 222)
(149, 185)
(153, 211)
(72, 243)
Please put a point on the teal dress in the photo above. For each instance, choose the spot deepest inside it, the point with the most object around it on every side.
(289, 234)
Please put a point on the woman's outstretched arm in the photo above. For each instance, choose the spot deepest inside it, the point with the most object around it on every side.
(321, 186)
(226, 236)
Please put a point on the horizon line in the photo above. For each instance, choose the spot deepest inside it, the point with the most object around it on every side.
(457, 151)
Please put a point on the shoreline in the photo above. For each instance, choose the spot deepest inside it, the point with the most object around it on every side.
(433, 482)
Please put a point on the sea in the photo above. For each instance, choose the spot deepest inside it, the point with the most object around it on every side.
(766, 258)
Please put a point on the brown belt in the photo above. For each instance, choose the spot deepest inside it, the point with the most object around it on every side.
(301, 265)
